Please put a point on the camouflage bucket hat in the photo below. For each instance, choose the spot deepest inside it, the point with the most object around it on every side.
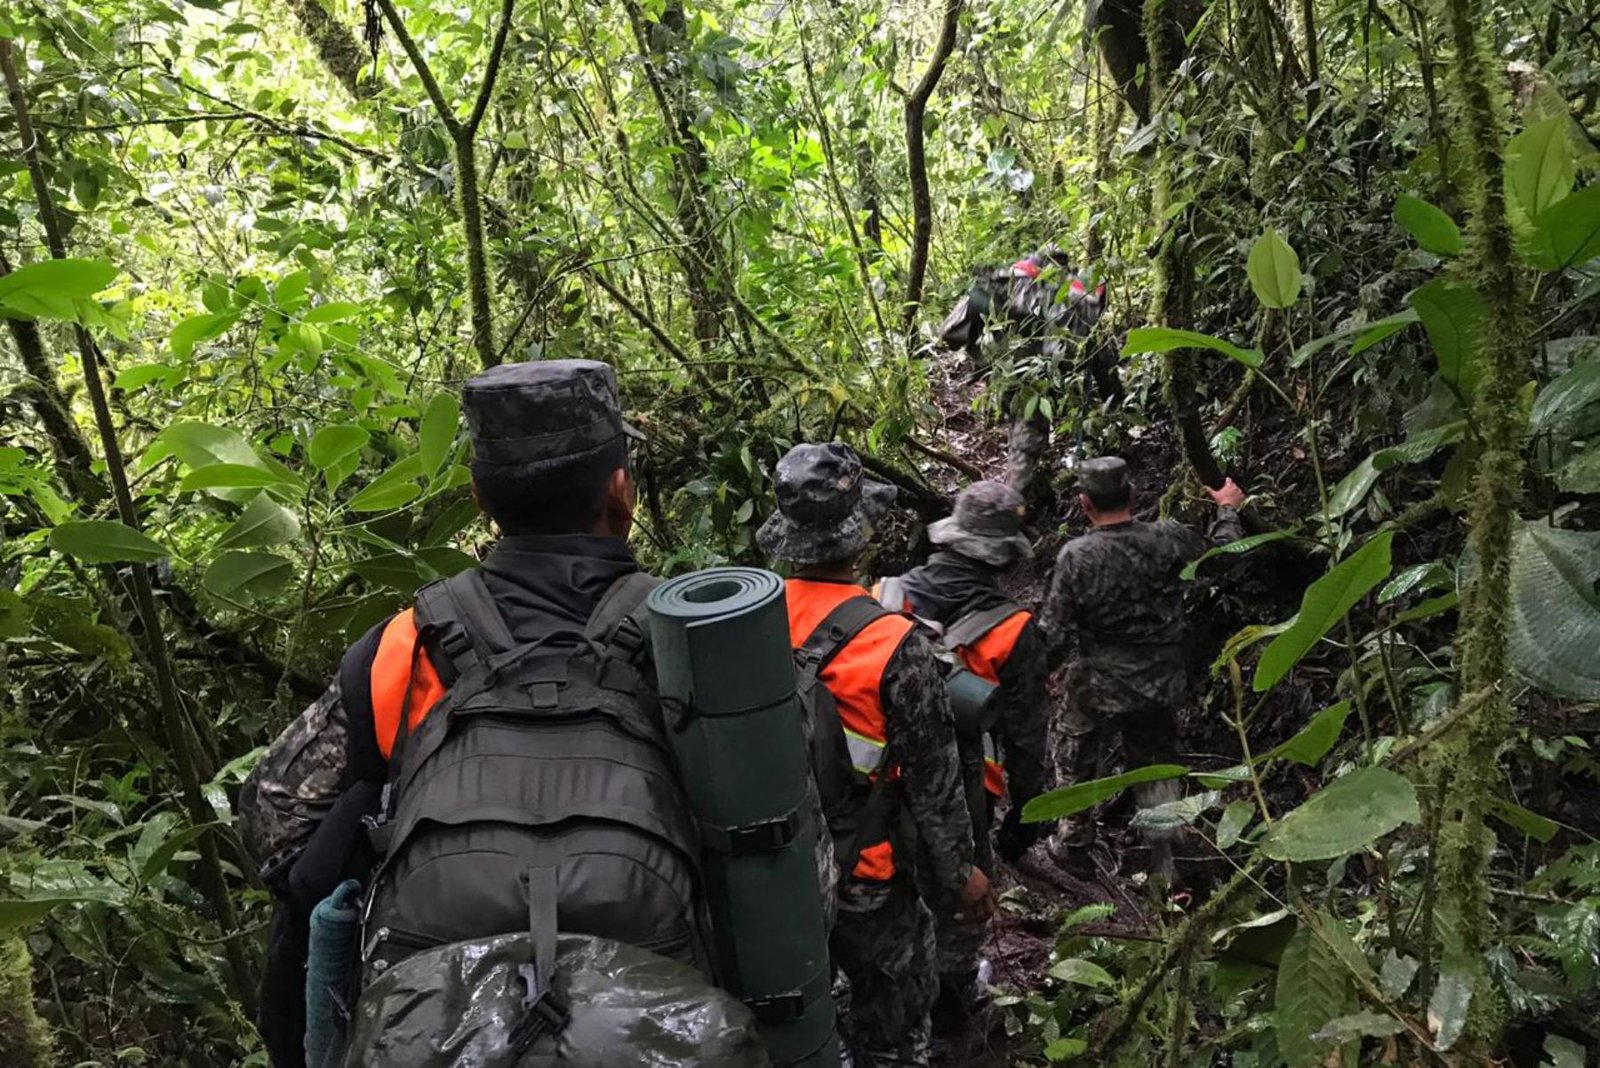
(986, 526)
(827, 509)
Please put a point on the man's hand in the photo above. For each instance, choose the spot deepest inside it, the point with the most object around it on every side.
(978, 899)
(1228, 495)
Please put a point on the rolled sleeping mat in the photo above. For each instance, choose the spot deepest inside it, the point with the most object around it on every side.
(727, 684)
(971, 696)
(335, 929)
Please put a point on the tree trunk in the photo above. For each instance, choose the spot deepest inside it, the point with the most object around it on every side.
(917, 164)
(336, 46)
(24, 1038)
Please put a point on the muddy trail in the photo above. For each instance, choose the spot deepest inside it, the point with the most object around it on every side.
(1038, 892)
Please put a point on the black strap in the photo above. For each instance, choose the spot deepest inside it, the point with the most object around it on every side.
(547, 1012)
(840, 626)
(792, 1004)
(873, 822)
(974, 625)
(466, 623)
(762, 836)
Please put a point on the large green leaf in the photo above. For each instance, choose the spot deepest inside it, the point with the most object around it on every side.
(393, 488)
(1325, 603)
(1539, 169)
(197, 328)
(264, 522)
(1081, 972)
(1313, 741)
(1447, 1008)
(1453, 315)
(334, 443)
(437, 431)
(1069, 800)
(1568, 234)
(1243, 545)
(237, 476)
(240, 573)
(1567, 394)
(1347, 816)
(200, 444)
(103, 541)
(1432, 228)
(1166, 339)
(51, 289)
(1274, 271)
(1535, 826)
(1313, 990)
(1555, 609)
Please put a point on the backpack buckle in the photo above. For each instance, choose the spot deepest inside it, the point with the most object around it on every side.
(627, 639)
(547, 1012)
(779, 1008)
(763, 836)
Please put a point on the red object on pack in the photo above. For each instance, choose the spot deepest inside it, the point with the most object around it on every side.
(1027, 268)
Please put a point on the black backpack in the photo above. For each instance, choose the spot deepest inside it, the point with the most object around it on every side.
(539, 790)
(858, 814)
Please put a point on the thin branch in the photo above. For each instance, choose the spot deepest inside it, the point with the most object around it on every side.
(491, 71)
(420, 65)
(917, 163)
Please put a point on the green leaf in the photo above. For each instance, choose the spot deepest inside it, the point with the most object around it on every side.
(1432, 607)
(1313, 988)
(1555, 609)
(1540, 828)
(1325, 603)
(334, 443)
(1363, 1024)
(239, 573)
(1562, 1051)
(1447, 1009)
(14, 614)
(1082, 972)
(1453, 315)
(1539, 169)
(1169, 816)
(290, 292)
(200, 444)
(1313, 741)
(1068, 800)
(1581, 474)
(1165, 339)
(393, 488)
(1243, 545)
(133, 379)
(264, 522)
(1395, 978)
(50, 289)
(1344, 817)
(332, 312)
(1566, 395)
(197, 328)
(1380, 330)
(1274, 271)
(155, 863)
(1235, 818)
(1432, 228)
(1426, 575)
(437, 432)
(1568, 234)
(102, 541)
(1061, 1049)
(1352, 489)
(17, 914)
(236, 476)
(1083, 914)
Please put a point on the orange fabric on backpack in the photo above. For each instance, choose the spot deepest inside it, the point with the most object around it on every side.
(854, 676)
(984, 658)
(400, 665)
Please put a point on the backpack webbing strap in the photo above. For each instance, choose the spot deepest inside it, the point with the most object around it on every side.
(547, 1011)
(464, 618)
(974, 625)
(839, 627)
(872, 825)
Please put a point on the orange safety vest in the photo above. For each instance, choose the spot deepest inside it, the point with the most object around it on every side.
(984, 658)
(400, 666)
(855, 678)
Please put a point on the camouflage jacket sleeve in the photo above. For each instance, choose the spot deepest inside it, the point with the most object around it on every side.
(1023, 715)
(1057, 625)
(1226, 527)
(923, 739)
(294, 784)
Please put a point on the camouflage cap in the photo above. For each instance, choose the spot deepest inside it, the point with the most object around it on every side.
(986, 526)
(547, 410)
(827, 509)
(1105, 477)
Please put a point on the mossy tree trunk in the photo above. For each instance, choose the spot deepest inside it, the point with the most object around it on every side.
(24, 1038)
(1465, 922)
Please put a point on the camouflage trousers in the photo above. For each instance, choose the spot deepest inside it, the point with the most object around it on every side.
(1025, 453)
(959, 943)
(883, 942)
(1085, 747)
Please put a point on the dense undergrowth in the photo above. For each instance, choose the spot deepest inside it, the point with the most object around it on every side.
(1352, 252)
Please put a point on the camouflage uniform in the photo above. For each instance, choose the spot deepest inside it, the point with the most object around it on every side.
(1116, 598)
(883, 938)
(1038, 312)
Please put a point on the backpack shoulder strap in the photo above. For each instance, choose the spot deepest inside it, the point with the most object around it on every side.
(465, 620)
(974, 625)
(839, 626)
(623, 600)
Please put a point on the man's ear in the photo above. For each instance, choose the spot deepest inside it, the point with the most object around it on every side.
(1085, 504)
(621, 497)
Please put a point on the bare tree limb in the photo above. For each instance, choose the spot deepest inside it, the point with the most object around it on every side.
(917, 163)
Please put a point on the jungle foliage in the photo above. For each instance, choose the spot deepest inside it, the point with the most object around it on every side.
(248, 251)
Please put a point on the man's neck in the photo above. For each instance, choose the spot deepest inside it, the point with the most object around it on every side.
(1112, 519)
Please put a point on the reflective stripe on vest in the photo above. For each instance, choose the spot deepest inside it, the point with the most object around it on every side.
(400, 665)
(855, 679)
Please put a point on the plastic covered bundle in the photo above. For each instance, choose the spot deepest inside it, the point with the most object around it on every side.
(460, 1006)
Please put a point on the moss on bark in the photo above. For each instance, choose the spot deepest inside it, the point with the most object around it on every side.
(24, 1037)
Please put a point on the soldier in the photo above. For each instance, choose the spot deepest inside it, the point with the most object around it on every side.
(958, 592)
(1117, 598)
(1037, 311)
(886, 684)
(550, 467)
